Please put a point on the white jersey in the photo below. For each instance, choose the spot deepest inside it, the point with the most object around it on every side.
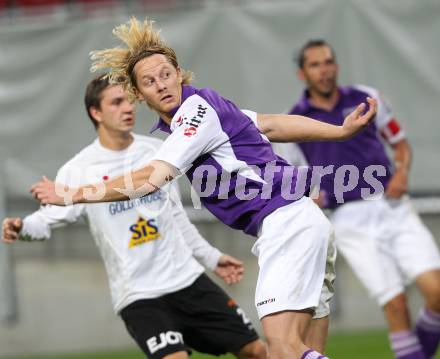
(147, 244)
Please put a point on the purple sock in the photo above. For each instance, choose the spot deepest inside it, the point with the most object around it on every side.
(428, 331)
(311, 354)
(406, 345)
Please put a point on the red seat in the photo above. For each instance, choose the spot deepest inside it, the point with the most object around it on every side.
(93, 7)
(3, 4)
(92, 1)
(34, 3)
(38, 7)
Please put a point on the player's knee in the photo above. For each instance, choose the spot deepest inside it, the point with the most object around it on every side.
(177, 355)
(397, 306)
(253, 350)
(433, 298)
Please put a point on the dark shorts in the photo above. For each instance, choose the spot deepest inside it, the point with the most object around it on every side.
(200, 317)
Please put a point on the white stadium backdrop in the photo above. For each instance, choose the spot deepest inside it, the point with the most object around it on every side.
(244, 50)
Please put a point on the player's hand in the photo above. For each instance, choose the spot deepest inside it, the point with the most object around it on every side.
(398, 185)
(45, 191)
(357, 120)
(11, 229)
(321, 199)
(229, 269)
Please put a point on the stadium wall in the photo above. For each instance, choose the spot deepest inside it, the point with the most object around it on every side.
(243, 49)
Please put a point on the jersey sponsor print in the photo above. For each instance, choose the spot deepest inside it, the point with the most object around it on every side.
(241, 313)
(162, 340)
(143, 231)
(192, 124)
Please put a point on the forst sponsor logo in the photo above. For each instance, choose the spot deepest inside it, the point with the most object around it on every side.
(193, 123)
(163, 339)
(179, 121)
(267, 301)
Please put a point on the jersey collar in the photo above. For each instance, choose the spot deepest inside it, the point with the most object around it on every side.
(304, 105)
(187, 91)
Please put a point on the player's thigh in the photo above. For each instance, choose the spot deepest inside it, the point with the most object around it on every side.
(370, 256)
(214, 323)
(328, 289)
(292, 255)
(414, 245)
(155, 328)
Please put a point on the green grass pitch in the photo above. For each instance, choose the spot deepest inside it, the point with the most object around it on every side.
(355, 345)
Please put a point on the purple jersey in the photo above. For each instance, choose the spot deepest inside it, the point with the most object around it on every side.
(364, 150)
(228, 161)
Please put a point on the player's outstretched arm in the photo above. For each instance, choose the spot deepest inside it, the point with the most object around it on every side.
(294, 128)
(131, 185)
(38, 225)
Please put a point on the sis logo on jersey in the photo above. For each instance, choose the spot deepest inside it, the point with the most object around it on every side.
(193, 123)
(143, 231)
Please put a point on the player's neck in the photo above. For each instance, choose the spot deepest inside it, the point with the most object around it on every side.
(166, 117)
(326, 103)
(115, 141)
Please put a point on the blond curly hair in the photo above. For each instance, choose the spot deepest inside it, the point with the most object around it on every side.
(142, 41)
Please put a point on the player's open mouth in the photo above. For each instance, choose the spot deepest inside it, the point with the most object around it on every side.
(166, 98)
(326, 82)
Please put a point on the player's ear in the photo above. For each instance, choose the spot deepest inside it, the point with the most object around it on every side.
(138, 95)
(300, 74)
(179, 74)
(95, 113)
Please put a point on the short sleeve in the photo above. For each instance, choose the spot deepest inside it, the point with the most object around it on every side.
(291, 152)
(252, 115)
(389, 127)
(196, 130)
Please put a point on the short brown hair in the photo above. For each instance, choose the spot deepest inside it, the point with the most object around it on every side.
(93, 96)
(300, 58)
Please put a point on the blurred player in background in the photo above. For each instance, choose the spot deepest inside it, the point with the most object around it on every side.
(228, 158)
(168, 304)
(382, 238)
